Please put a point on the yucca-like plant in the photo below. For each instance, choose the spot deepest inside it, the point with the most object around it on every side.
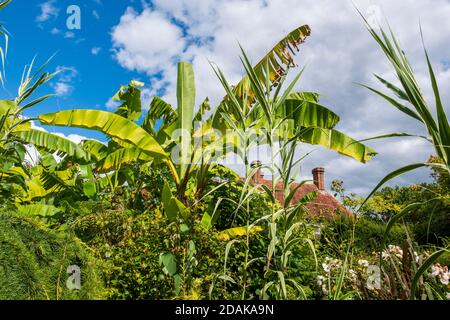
(284, 119)
(410, 100)
(4, 49)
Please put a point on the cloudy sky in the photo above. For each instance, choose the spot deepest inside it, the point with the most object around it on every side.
(123, 40)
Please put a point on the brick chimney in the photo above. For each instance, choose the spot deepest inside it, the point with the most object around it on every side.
(319, 178)
(258, 176)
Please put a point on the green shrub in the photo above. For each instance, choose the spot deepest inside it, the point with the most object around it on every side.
(368, 234)
(228, 195)
(34, 262)
(130, 246)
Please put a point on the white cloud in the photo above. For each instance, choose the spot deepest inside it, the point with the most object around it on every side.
(147, 42)
(112, 104)
(95, 14)
(69, 35)
(32, 156)
(96, 50)
(62, 89)
(339, 53)
(72, 137)
(48, 11)
(66, 75)
(55, 31)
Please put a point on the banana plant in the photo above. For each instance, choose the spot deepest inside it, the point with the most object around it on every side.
(184, 134)
(127, 142)
(17, 133)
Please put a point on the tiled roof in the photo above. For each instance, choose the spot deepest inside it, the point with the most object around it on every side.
(324, 204)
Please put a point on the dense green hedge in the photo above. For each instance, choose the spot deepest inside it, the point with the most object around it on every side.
(130, 245)
(368, 234)
(34, 261)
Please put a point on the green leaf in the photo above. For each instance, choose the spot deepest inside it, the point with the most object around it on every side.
(95, 148)
(172, 206)
(269, 193)
(232, 233)
(338, 141)
(444, 126)
(392, 175)
(52, 142)
(38, 210)
(169, 263)
(166, 194)
(393, 135)
(159, 110)
(283, 284)
(308, 113)
(396, 104)
(185, 111)
(177, 283)
(398, 216)
(278, 58)
(108, 123)
(89, 188)
(423, 268)
(131, 97)
(114, 160)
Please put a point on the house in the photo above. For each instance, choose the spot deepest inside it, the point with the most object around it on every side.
(324, 205)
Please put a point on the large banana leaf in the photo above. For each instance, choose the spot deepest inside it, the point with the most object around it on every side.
(52, 142)
(95, 148)
(108, 123)
(185, 111)
(116, 159)
(338, 141)
(7, 106)
(38, 209)
(271, 68)
(88, 182)
(159, 110)
(304, 109)
(279, 58)
(130, 95)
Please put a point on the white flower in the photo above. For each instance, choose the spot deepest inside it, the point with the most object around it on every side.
(370, 286)
(441, 272)
(396, 250)
(320, 280)
(435, 270)
(352, 274)
(417, 257)
(363, 263)
(444, 278)
(324, 289)
(330, 264)
(448, 296)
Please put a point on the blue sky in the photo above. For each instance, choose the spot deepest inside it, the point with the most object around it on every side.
(97, 76)
(143, 40)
